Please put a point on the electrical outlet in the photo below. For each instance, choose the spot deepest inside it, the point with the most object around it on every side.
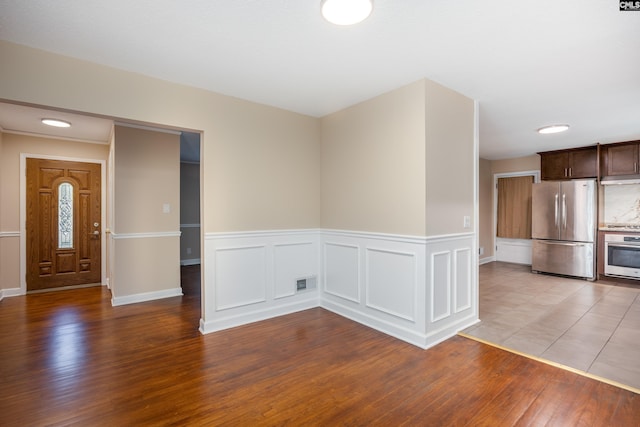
(466, 221)
(188, 251)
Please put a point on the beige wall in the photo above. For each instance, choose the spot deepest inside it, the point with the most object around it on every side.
(373, 164)
(485, 214)
(402, 162)
(450, 160)
(11, 146)
(150, 265)
(517, 164)
(5, 241)
(146, 178)
(261, 164)
(189, 211)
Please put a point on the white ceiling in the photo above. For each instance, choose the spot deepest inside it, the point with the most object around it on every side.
(25, 119)
(529, 64)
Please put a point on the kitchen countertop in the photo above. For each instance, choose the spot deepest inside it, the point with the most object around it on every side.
(621, 227)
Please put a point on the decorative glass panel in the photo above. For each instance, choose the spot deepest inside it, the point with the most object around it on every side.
(65, 216)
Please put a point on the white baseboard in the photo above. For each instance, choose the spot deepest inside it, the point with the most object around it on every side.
(396, 331)
(146, 296)
(517, 251)
(10, 292)
(257, 315)
(486, 260)
(194, 261)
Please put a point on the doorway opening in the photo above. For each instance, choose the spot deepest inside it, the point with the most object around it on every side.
(512, 239)
(190, 230)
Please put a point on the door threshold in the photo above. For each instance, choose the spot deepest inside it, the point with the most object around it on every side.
(63, 288)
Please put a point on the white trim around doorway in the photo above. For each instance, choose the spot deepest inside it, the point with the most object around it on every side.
(522, 254)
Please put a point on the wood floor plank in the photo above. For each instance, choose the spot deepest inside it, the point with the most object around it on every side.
(70, 358)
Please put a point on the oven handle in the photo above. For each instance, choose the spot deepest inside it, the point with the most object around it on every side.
(621, 245)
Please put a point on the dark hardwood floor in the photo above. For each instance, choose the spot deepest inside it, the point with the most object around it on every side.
(69, 358)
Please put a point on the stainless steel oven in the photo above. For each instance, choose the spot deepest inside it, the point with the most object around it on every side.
(622, 255)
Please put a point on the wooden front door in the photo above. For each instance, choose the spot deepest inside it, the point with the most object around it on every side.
(63, 224)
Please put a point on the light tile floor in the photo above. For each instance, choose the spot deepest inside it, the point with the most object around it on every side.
(590, 326)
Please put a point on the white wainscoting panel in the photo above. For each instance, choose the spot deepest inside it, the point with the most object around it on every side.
(240, 276)
(388, 273)
(462, 281)
(391, 282)
(341, 271)
(251, 276)
(419, 289)
(293, 261)
(440, 268)
(454, 285)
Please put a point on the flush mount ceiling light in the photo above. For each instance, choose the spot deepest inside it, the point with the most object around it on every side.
(553, 129)
(346, 12)
(57, 123)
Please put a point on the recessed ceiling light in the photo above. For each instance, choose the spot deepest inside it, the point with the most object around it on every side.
(553, 129)
(57, 123)
(346, 12)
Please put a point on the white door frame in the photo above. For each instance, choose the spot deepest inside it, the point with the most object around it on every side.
(496, 176)
(23, 212)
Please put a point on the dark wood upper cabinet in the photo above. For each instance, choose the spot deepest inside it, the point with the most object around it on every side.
(621, 159)
(574, 163)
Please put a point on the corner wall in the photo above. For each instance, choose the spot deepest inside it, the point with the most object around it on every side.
(146, 225)
(399, 176)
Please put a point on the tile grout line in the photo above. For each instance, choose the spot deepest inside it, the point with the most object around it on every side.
(613, 333)
(581, 317)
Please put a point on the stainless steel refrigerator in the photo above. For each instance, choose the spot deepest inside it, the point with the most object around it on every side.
(564, 227)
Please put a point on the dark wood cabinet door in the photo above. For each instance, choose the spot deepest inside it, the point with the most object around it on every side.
(622, 160)
(583, 163)
(554, 165)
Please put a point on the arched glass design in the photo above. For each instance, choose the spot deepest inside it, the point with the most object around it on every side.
(65, 216)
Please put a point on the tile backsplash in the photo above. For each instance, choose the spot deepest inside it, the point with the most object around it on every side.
(622, 204)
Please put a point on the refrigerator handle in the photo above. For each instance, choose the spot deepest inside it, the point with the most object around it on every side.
(564, 211)
(556, 211)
